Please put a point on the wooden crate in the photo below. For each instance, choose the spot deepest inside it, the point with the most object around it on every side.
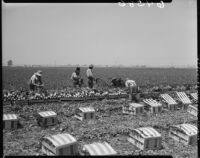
(169, 102)
(47, 118)
(152, 106)
(133, 108)
(85, 113)
(10, 121)
(184, 133)
(193, 109)
(145, 138)
(194, 97)
(60, 144)
(98, 149)
(184, 100)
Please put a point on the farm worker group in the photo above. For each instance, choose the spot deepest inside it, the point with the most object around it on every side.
(36, 81)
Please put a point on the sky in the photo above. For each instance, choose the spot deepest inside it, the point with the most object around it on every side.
(101, 34)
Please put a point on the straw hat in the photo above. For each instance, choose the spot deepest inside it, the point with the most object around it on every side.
(39, 73)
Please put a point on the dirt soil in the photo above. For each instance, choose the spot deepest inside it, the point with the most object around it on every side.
(110, 125)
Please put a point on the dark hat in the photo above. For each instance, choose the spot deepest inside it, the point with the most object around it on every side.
(91, 66)
(78, 68)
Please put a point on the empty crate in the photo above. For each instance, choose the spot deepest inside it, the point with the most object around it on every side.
(85, 113)
(133, 108)
(169, 102)
(145, 138)
(184, 99)
(152, 105)
(192, 109)
(47, 118)
(60, 144)
(194, 96)
(98, 149)
(10, 121)
(184, 133)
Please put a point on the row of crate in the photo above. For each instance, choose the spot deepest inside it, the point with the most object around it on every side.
(181, 96)
(165, 102)
(34, 101)
(132, 108)
(144, 138)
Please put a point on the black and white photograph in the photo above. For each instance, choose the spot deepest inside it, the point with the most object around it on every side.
(99, 79)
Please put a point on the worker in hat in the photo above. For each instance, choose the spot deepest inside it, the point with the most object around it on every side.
(36, 81)
(76, 78)
(132, 87)
(89, 74)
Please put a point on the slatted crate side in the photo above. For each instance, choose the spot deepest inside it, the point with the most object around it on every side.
(132, 110)
(192, 110)
(153, 143)
(136, 143)
(178, 137)
(182, 137)
(192, 140)
(47, 121)
(10, 124)
(48, 149)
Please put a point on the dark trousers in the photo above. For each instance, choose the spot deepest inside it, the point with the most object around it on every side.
(131, 96)
(90, 82)
(32, 87)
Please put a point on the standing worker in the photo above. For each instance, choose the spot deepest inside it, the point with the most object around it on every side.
(131, 85)
(90, 76)
(76, 78)
(36, 81)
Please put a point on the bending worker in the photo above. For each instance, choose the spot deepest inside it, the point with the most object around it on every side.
(131, 85)
(36, 81)
(89, 74)
(76, 78)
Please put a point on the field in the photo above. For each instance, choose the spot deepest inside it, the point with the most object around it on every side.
(110, 125)
(17, 77)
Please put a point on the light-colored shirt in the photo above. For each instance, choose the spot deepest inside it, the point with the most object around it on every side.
(75, 76)
(130, 83)
(89, 73)
(34, 79)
